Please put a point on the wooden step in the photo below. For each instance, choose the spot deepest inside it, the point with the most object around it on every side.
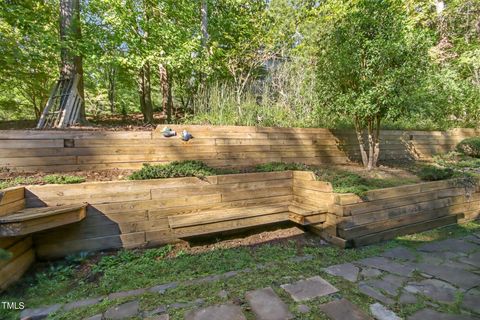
(407, 229)
(213, 221)
(31, 220)
(305, 215)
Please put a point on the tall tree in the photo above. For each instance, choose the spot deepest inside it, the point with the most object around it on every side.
(71, 57)
(370, 63)
(166, 88)
(204, 22)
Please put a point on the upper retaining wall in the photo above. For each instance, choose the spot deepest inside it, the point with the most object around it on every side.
(218, 146)
(406, 145)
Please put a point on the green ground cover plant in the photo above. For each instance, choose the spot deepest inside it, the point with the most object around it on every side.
(280, 166)
(176, 169)
(457, 160)
(470, 147)
(53, 179)
(63, 179)
(344, 181)
(434, 173)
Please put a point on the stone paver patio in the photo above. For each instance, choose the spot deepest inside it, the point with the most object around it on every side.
(441, 274)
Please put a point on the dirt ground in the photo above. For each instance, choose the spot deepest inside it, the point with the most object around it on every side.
(99, 175)
(392, 171)
(250, 238)
(116, 122)
(382, 172)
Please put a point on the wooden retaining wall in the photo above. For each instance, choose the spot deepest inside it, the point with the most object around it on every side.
(386, 213)
(218, 146)
(20, 248)
(127, 214)
(399, 145)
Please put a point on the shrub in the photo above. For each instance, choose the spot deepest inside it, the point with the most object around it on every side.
(433, 173)
(470, 147)
(61, 179)
(188, 168)
(280, 166)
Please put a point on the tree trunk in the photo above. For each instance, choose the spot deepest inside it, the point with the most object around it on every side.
(361, 143)
(111, 74)
(70, 32)
(371, 149)
(166, 88)
(141, 90)
(376, 142)
(204, 24)
(370, 159)
(147, 93)
(170, 98)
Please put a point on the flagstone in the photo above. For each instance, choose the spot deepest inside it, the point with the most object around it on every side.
(267, 305)
(343, 310)
(310, 288)
(347, 271)
(217, 312)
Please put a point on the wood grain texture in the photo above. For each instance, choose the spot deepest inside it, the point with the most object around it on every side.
(22, 256)
(221, 146)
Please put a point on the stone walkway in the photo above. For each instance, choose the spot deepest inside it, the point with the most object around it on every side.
(437, 274)
(440, 273)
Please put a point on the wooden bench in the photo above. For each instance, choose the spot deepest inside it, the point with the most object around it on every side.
(226, 219)
(31, 220)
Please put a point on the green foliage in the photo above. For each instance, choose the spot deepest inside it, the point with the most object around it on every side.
(187, 168)
(280, 166)
(53, 178)
(7, 183)
(470, 147)
(63, 179)
(434, 173)
(271, 63)
(349, 182)
(370, 59)
(457, 161)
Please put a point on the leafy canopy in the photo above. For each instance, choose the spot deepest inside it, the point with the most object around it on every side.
(370, 59)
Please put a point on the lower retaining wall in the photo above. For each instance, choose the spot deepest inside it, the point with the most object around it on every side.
(22, 256)
(21, 250)
(132, 214)
(386, 213)
(128, 214)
